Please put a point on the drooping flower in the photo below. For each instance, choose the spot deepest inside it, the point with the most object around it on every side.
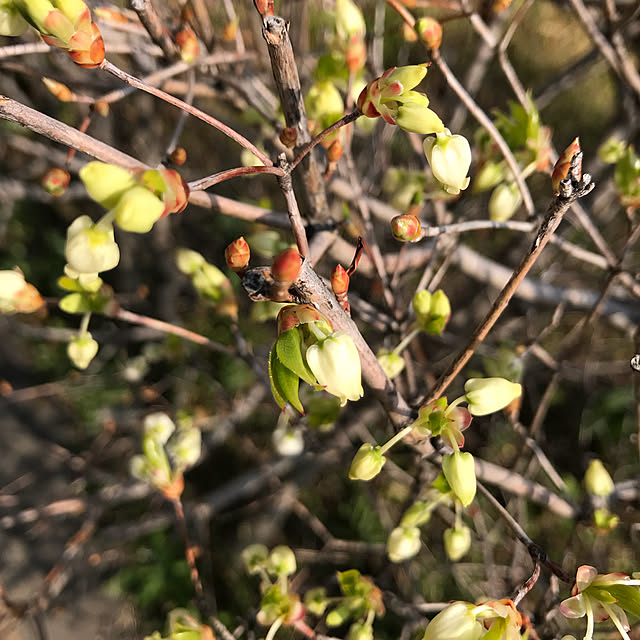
(449, 157)
(403, 543)
(486, 395)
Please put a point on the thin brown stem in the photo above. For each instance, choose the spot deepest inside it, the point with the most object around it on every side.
(221, 176)
(194, 111)
(152, 22)
(293, 210)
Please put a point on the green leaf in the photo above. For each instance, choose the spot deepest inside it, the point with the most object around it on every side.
(274, 389)
(628, 597)
(349, 581)
(75, 303)
(289, 350)
(285, 381)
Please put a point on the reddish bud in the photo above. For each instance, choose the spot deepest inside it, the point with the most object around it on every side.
(110, 14)
(237, 254)
(176, 191)
(562, 166)
(264, 7)
(406, 228)
(430, 31)
(334, 152)
(339, 280)
(102, 108)
(230, 30)
(286, 265)
(356, 54)
(188, 44)
(500, 5)
(289, 137)
(178, 156)
(86, 49)
(59, 90)
(56, 181)
(295, 314)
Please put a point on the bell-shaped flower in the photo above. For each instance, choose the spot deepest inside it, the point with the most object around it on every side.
(457, 621)
(335, 363)
(138, 209)
(449, 157)
(391, 96)
(82, 350)
(392, 363)
(90, 249)
(459, 470)
(504, 202)
(403, 543)
(106, 183)
(367, 463)
(602, 596)
(486, 395)
(457, 542)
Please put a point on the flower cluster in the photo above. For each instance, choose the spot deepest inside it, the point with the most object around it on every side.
(307, 348)
(167, 453)
(136, 199)
(602, 596)
(65, 24)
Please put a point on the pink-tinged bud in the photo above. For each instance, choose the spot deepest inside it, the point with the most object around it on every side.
(430, 31)
(406, 228)
(264, 7)
(286, 266)
(289, 137)
(339, 280)
(168, 185)
(56, 181)
(102, 108)
(295, 314)
(334, 152)
(187, 44)
(237, 254)
(356, 54)
(59, 90)
(178, 156)
(364, 103)
(562, 166)
(87, 49)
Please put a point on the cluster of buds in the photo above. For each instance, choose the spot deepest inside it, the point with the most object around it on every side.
(210, 283)
(65, 24)
(16, 294)
(360, 602)
(307, 348)
(432, 310)
(167, 453)
(136, 199)
(279, 605)
(603, 596)
(495, 619)
(183, 626)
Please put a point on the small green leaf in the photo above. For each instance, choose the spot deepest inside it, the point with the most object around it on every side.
(285, 381)
(274, 389)
(75, 303)
(628, 597)
(289, 350)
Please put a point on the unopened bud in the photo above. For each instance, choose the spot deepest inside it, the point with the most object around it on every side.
(356, 54)
(360, 631)
(237, 254)
(286, 266)
(563, 164)
(406, 228)
(367, 463)
(403, 543)
(255, 558)
(334, 152)
(459, 470)
(504, 202)
(102, 108)
(457, 542)
(188, 44)
(264, 7)
(178, 156)
(487, 395)
(82, 350)
(56, 181)
(282, 561)
(430, 32)
(289, 137)
(230, 30)
(339, 280)
(392, 363)
(137, 210)
(296, 314)
(59, 90)
(597, 480)
(499, 6)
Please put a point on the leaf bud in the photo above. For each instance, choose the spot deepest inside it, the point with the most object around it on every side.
(430, 31)
(286, 266)
(59, 90)
(56, 181)
(367, 463)
(237, 254)
(406, 228)
(563, 164)
(339, 280)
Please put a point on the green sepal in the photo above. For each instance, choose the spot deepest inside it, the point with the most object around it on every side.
(496, 631)
(75, 303)
(628, 597)
(71, 284)
(289, 350)
(285, 382)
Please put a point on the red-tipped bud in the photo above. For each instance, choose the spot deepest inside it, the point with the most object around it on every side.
(85, 48)
(187, 44)
(334, 152)
(59, 90)
(406, 228)
(102, 108)
(56, 181)
(562, 166)
(339, 280)
(295, 314)
(237, 254)
(289, 137)
(430, 31)
(174, 191)
(178, 156)
(286, 265)
(356, 54)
